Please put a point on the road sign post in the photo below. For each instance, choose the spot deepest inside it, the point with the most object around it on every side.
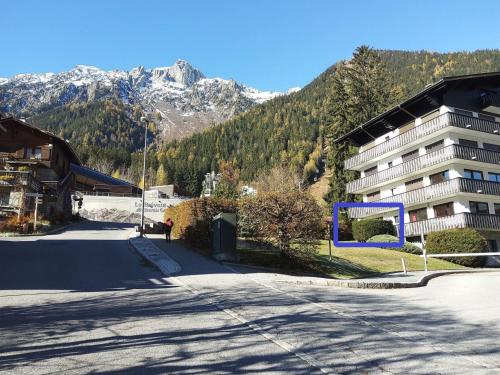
(38, 200)
(36, 213)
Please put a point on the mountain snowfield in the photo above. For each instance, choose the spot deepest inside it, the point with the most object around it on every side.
(179, 97)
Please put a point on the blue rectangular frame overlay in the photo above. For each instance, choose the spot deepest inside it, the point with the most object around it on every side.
(335, 229)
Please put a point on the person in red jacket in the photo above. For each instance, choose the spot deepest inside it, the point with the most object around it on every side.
(169, 224)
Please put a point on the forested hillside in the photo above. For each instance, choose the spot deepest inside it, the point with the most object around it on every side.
(285, 130)
(104, 133)
(289, 129)
(414, 70)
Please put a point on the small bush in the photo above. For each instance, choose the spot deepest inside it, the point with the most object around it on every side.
(10, 224)
(408, 247)
(362, 230)
(464, 240)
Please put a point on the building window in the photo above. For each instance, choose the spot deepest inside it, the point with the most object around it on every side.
(387, 138)
(393, 191)
(414, 184)
(486, 117)
(389, 165)
(373, 196)
(491, 146)
(445, 209)
(33, 153)
(417, 215)
(494, 176)
(409, 156)
(370, 171)
(496, 206)
(473, 175)
(462, 112)
(396, 219)
(434, 146)
(479, 208)
(439, 177)
(468, 143)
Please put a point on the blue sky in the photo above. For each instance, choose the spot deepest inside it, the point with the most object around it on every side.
(270, 45)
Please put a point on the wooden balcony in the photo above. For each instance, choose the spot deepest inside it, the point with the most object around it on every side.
(463, 220)
(427, 128)
(424, 194)
(18, 179)
(415, 165)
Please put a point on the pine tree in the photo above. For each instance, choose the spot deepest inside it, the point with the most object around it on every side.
(361, 90)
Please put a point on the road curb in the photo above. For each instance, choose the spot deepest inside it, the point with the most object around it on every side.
(358, 283)
(364, 284)
(152, 253)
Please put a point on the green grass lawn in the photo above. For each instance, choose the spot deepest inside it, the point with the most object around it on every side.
(347, 262)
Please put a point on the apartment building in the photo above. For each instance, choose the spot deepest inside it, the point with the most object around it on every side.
(439, 154)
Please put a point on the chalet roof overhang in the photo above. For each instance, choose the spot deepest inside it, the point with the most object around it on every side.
(92, 177)
(51, 138)
(427, 100)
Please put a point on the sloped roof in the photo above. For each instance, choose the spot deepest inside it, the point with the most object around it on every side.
(421, 102)
(55, 138)
(98, 176)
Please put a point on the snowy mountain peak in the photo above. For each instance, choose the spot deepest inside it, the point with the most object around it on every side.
(181, 72)
(181, 97)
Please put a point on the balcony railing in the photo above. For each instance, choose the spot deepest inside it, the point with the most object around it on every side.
(415, 165)
(20, 179)
(463, 220)
(424, 194)
(429, 127)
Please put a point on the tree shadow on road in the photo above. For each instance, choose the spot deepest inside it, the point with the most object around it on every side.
(150, 328)
(131, 332)
(171, 331)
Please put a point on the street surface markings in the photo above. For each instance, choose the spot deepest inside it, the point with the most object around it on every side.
(257, 328)
(365, 322)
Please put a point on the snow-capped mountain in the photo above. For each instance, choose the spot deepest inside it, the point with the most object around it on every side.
(178, 97)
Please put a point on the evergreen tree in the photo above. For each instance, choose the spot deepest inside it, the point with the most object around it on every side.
(361, 90)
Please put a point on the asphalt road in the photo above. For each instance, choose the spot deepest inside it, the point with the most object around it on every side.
(83, 302)
(449, 327)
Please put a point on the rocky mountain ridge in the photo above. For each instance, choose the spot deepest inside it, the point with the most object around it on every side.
(179, 98)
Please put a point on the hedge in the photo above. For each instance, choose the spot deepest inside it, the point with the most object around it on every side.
(408, 247)
(465, 240)
(362, 230)
(193, 219)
